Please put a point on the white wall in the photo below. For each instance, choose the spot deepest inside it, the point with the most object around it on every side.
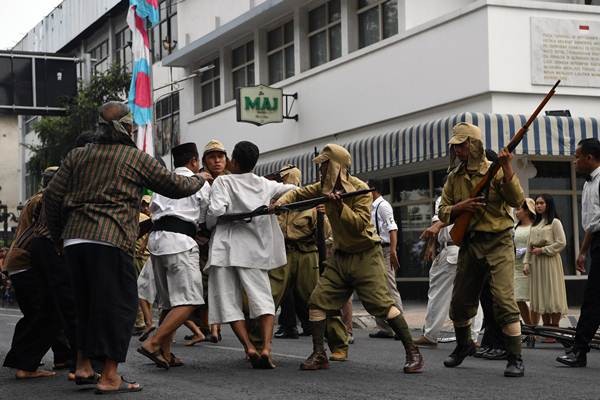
(9, 162)
(378, 83)
(417, 12)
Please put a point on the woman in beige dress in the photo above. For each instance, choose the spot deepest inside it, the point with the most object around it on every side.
(543, 263)
(526, 216)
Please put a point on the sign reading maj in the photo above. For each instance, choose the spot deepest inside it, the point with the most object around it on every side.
(259, 105)
(565, 49)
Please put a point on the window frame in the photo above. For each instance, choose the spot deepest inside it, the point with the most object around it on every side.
(243, 66)
(280, 49)
(215, 79)
(326, 28)
(166, 15)
(169, 116)
(100, 64)
(119, 52)
(379, 6)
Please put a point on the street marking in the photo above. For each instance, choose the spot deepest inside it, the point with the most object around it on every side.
(11, 315)
(242, 350)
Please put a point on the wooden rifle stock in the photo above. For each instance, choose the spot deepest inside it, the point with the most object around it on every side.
(462, 221)
(320, 231)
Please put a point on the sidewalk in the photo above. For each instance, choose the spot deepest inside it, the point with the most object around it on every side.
(414, 313)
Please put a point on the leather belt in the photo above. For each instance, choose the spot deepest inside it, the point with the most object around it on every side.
(176, 225)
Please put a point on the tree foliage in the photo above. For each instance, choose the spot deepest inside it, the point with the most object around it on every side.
(57, 134)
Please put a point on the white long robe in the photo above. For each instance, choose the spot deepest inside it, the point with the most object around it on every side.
(255, 244)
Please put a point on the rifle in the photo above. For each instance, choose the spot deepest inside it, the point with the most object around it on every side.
(276, 175)
(462, 221)
(296, 206)
(320, 233)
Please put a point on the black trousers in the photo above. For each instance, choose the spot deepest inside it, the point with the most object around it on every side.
(492, 336)
(105, 284)
(56, 274)
(36, 332)
(589, 319)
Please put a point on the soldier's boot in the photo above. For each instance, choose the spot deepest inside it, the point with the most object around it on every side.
(464, 347)
(414, 360)
(318, 358)
(514, 366)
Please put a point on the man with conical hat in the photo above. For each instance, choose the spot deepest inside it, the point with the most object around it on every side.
(357, 263)
(488, 247)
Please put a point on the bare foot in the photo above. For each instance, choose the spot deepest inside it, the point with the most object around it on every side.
(196, 339)
(119, 384)
(266, 361)
(71, 376)
(40, 373)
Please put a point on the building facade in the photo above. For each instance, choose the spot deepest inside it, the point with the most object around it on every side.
(388, 79)
(97, 34)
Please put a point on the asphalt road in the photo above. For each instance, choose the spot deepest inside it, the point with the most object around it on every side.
(218, 371)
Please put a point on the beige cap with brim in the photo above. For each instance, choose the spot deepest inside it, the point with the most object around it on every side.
(212, 146)
(463, 131)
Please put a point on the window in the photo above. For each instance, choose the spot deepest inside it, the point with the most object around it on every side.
(99, 55)
(280, 52)
(377, 20)
(123, 52)
(166, 134)
(164, 34)
(209, 84)
(325, 33)
(242, 66)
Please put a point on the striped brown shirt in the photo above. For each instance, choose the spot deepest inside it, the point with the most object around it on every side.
(18, 257)
(96, 193)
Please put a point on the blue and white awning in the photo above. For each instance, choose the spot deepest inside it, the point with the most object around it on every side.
(547, 136)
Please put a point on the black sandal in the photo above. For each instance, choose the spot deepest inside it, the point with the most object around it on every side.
(156, 357)
(87, 380)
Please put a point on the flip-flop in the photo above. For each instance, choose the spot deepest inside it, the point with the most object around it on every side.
(87, 380)
(266, 362)
(146, 334)
(192, 342)
(156, 357)
(254, 360)
(175, 362)
(123, 388)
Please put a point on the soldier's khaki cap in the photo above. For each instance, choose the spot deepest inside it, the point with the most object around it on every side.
(336, 153)
(147, 198)
(291, 175)
(214, 145)
(463, 131)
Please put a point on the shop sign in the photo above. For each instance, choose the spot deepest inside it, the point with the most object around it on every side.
(259, 105)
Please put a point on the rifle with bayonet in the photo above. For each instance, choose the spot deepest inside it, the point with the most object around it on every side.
(462, 221)
(320, 231)
(296, 206)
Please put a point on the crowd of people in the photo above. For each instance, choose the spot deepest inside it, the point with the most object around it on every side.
(93, 255)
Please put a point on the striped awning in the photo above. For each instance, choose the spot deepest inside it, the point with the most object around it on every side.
(549, 135)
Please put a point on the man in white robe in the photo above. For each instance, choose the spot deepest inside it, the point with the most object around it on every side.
(241, 252)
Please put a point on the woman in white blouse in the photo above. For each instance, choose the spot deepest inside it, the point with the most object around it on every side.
(543, 263)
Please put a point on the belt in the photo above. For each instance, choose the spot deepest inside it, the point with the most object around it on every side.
(176, 225)
(385, 244)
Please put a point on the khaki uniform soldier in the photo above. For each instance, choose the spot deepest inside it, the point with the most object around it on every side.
(302, 269)
(357, 263)
(488, 247)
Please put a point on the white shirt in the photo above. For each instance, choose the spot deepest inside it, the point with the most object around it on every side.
(590, 203)
(382, 216)
(444, 237)
(255, 244)
(188, 209)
